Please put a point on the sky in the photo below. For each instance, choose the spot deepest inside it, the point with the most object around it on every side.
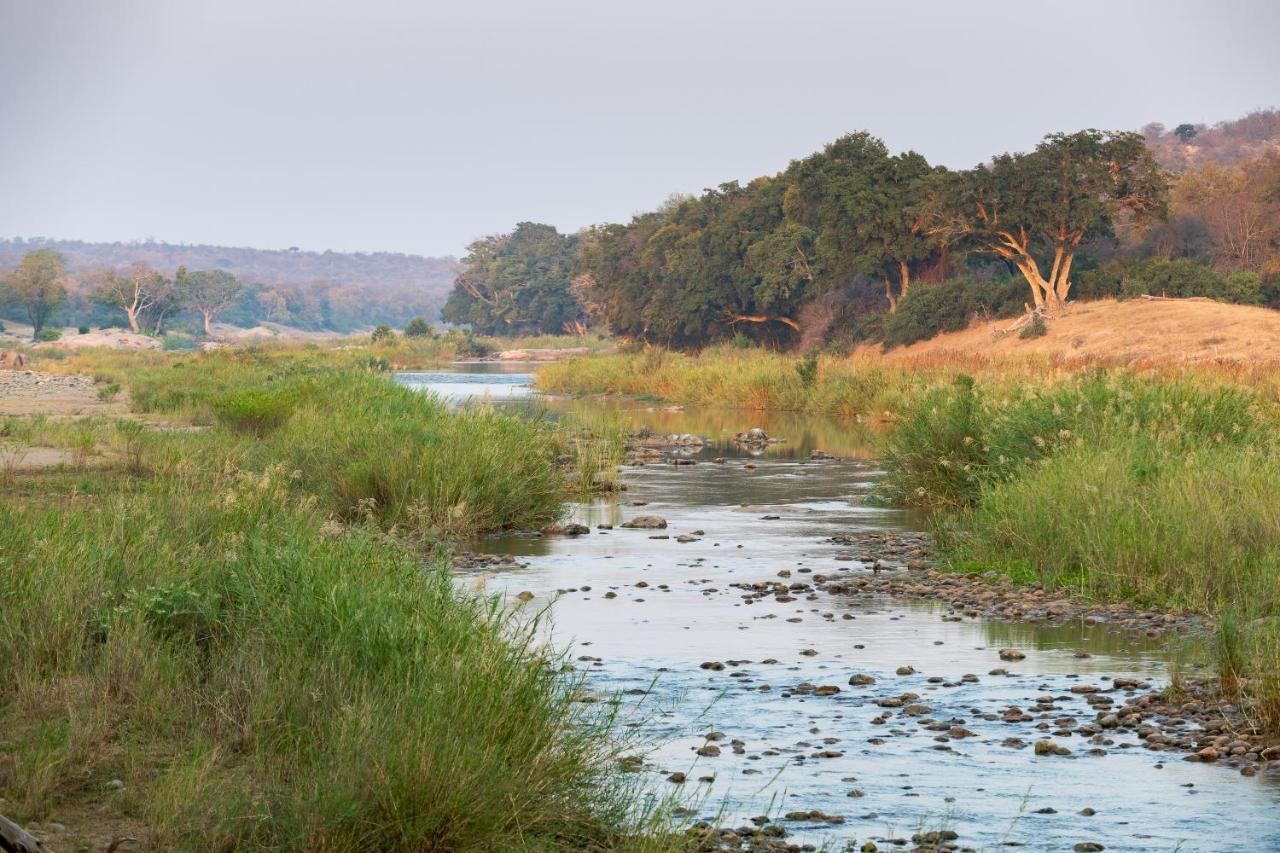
(419, 126)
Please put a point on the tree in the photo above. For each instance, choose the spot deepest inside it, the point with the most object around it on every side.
(517, 283)
(418, 328)
(1238, 208)
(38, 286)
(1039, 207)
(133, 290)
(209, 292)
(1185, 132)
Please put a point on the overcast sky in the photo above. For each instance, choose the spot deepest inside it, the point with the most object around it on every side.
(418, 126)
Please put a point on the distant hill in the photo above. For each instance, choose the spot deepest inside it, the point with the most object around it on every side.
(1225, 143)
(334, 290)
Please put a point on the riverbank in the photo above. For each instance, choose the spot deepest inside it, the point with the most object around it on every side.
(1119, 484)
(225, 625)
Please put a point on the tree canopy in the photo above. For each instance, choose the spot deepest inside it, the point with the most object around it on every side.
(38, 286)
(517, 284)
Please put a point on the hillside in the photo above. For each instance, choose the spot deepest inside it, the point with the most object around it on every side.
(1224, 144)
(1173, 331)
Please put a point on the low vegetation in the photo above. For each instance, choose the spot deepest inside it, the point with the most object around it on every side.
(1108, 482)
(227, 634)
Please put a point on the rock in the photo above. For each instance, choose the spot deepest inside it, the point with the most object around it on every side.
(646, 522)
(1011, 654)
(709, 751)
(525, 596)
(1208, 754)
(1088, 847)
(906, 670)
(676, 777)
(569, 529)
(1048, 747)
(861, 680)
(685, 537)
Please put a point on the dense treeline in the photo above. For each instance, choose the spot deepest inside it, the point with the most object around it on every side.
(310, 290)
(854, 242)
(518, 284)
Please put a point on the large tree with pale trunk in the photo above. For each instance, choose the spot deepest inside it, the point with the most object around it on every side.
(208, 291)
(133, 290)
(1034, 210)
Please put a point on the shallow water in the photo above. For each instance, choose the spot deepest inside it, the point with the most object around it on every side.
(644, 648)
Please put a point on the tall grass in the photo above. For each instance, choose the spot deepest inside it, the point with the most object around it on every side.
(225, 620)
(751, 379)
(257, 682)
(1113, 486)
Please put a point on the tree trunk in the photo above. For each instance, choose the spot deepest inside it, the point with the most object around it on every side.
(904, 270)
(132, 314)
(888, 293)
(1064, 278)
(208, 330)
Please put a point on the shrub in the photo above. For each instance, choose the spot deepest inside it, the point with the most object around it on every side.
(83, 329)
(929, 310)
(109, 391)
(1124, 278)
(383, 332)
(48, 333)
(807, 369)
(418, 328)
(1035, 329)
(254, 410)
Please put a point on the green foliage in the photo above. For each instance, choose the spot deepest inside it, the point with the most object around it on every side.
(210, 633)
(177, 342)
(1181, 278)
(517, 283)
(418, 327)
(48, 333)
(109, 391)
(38, 286)
(382, 333)
(807, 369)
(953, 442)
(949, 306)
(1035, 329)
(254, 410)
(83, 329)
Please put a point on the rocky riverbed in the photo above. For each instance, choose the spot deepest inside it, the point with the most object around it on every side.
(797, 671)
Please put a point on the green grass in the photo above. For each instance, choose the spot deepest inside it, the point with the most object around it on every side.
(751, 379)
(1114, 487)
(1115, 484)
(230, 620)
(258, 681)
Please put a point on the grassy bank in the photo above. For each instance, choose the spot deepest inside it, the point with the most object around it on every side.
(213, 636)
(752, 379)
(1114, 484)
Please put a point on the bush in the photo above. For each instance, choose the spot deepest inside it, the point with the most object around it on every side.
(418, 328)
(930, 310)
(84, 330)
(176, 342)
(1124, 278)
(952, 442)
(383, 332)
(1035, 329)
(254, 410)
(807, 369)
(48, 333)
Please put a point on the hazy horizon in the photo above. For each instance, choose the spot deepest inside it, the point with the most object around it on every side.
(389, 126)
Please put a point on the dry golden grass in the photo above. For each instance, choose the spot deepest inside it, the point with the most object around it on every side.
(1138, 332)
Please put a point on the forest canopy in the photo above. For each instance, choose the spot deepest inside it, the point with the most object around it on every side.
(832, 247)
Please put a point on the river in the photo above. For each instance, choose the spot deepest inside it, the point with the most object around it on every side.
(674, 608)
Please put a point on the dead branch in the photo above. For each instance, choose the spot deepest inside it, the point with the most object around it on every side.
(14, 839)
